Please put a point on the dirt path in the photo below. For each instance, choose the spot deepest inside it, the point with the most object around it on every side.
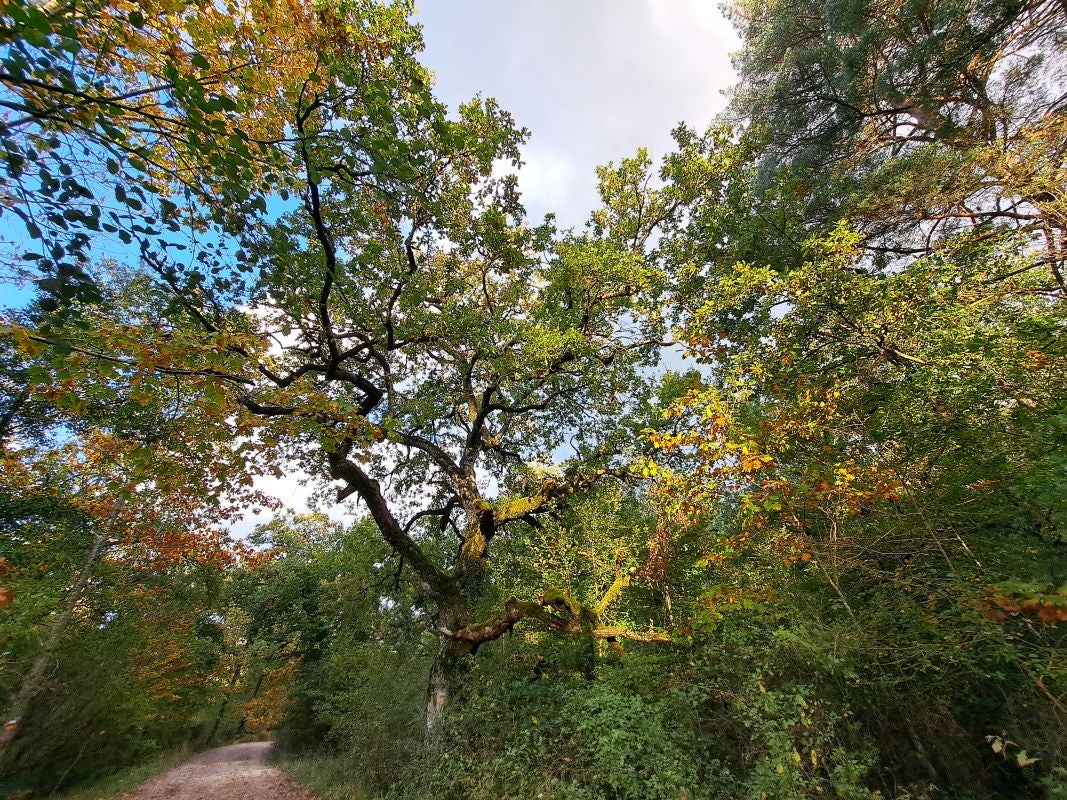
(235, 772)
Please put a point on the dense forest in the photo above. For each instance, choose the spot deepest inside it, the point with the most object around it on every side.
(753, 486)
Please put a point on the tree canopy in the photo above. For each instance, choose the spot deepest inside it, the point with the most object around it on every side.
(824, 561)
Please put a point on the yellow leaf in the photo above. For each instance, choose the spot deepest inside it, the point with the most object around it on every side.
(1023, 759)
(24, 344)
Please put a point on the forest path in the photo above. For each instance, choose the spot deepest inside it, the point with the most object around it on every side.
(234, 772)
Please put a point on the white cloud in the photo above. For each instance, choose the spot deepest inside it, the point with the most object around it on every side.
(547, 180)
(592, 80)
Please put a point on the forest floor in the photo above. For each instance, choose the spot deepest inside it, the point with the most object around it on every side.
(234, 772)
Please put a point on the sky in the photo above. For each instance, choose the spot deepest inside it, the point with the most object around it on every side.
(592, 80)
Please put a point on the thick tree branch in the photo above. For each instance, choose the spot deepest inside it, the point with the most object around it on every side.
(439, 583)
(515, 611)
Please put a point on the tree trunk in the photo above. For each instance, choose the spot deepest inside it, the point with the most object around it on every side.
(31, 684)
(224, 704)
(439, 685)
(445, 672)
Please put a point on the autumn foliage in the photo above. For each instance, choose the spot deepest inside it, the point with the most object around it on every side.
(755, 486)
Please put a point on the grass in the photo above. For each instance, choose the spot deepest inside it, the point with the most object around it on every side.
(125, 779)
(328, 776)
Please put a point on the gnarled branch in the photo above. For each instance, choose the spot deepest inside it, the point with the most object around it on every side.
(515, 611)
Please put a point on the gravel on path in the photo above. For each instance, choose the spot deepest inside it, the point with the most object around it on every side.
(234, 772)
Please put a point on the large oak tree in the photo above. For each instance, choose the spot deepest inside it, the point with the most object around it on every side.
(405, 332)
